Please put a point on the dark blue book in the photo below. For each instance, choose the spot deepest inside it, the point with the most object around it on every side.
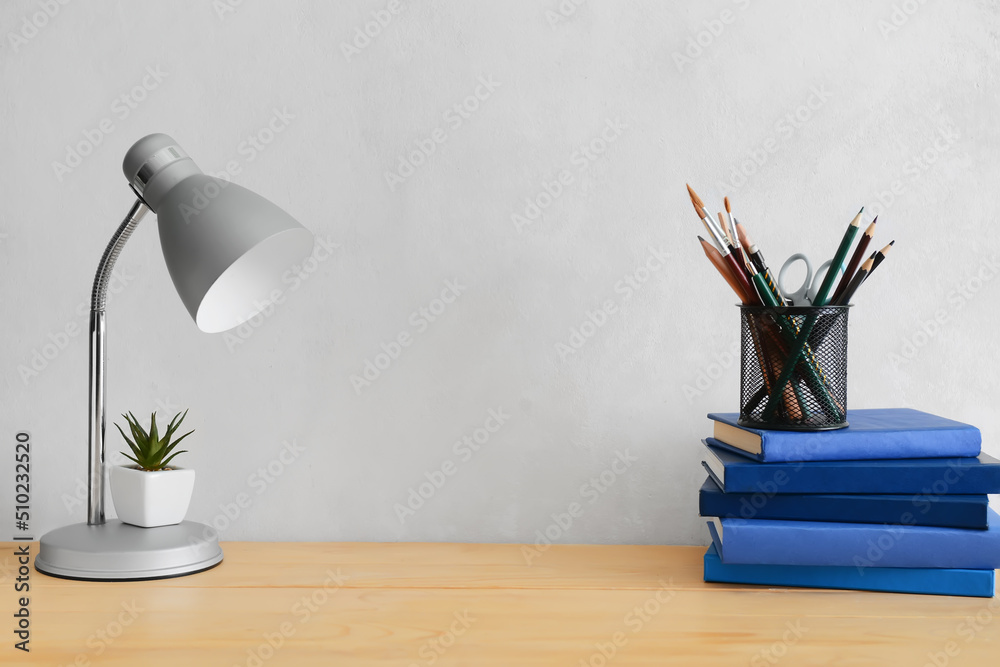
(963, 511)
(864, 546)
(885, 433)
(931, 581)
(945, 476)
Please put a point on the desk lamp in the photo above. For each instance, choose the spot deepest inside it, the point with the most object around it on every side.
(226, 249)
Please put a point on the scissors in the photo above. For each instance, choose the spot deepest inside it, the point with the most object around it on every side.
(810, 286)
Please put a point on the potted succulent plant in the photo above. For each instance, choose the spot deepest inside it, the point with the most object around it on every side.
(151, 492)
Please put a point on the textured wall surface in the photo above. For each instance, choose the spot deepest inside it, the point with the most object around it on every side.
(508, 312)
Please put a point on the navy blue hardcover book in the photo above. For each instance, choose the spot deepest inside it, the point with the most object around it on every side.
(932, 581)
(883, 433)
(943, 476)
(862, 545)
(962, 511)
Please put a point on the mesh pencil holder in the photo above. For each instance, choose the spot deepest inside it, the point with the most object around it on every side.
(793, 367)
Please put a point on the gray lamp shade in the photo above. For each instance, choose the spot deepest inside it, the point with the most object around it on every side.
(226, 248)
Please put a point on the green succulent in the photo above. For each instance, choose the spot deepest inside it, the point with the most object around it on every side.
(151, 452)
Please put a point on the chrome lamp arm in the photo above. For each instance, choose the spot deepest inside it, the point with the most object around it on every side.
(98, 357)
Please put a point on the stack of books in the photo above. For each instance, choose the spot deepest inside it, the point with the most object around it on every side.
(897, 501)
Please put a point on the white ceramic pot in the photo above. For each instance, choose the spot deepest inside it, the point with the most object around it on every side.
(150, 499)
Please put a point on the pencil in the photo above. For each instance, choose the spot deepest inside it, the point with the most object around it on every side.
(752, 250)
(757, 257)
(823, 295)
(766, 296)
(715, 257)
(866, 270)
(856, 281)
(880, 255)
(856, 258)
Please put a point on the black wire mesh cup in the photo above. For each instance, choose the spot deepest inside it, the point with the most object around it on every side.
(793, 367)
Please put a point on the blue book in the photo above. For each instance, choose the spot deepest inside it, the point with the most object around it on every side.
(964, 511)
(864, 546)
(973, 583)
(930, 477)
(887, 433)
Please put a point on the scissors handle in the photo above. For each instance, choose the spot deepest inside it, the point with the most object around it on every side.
(797, 296)
(820, 277)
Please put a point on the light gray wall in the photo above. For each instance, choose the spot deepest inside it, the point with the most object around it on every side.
(903, 121)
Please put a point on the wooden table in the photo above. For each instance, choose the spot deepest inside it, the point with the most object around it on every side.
(302, 604)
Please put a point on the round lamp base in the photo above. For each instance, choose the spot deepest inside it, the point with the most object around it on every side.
(116, 551)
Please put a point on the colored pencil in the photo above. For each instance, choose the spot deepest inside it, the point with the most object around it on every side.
(880, 255)
(856, 281)
(823, 295)
(856, 258)
(757, 257)
(766, 296)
